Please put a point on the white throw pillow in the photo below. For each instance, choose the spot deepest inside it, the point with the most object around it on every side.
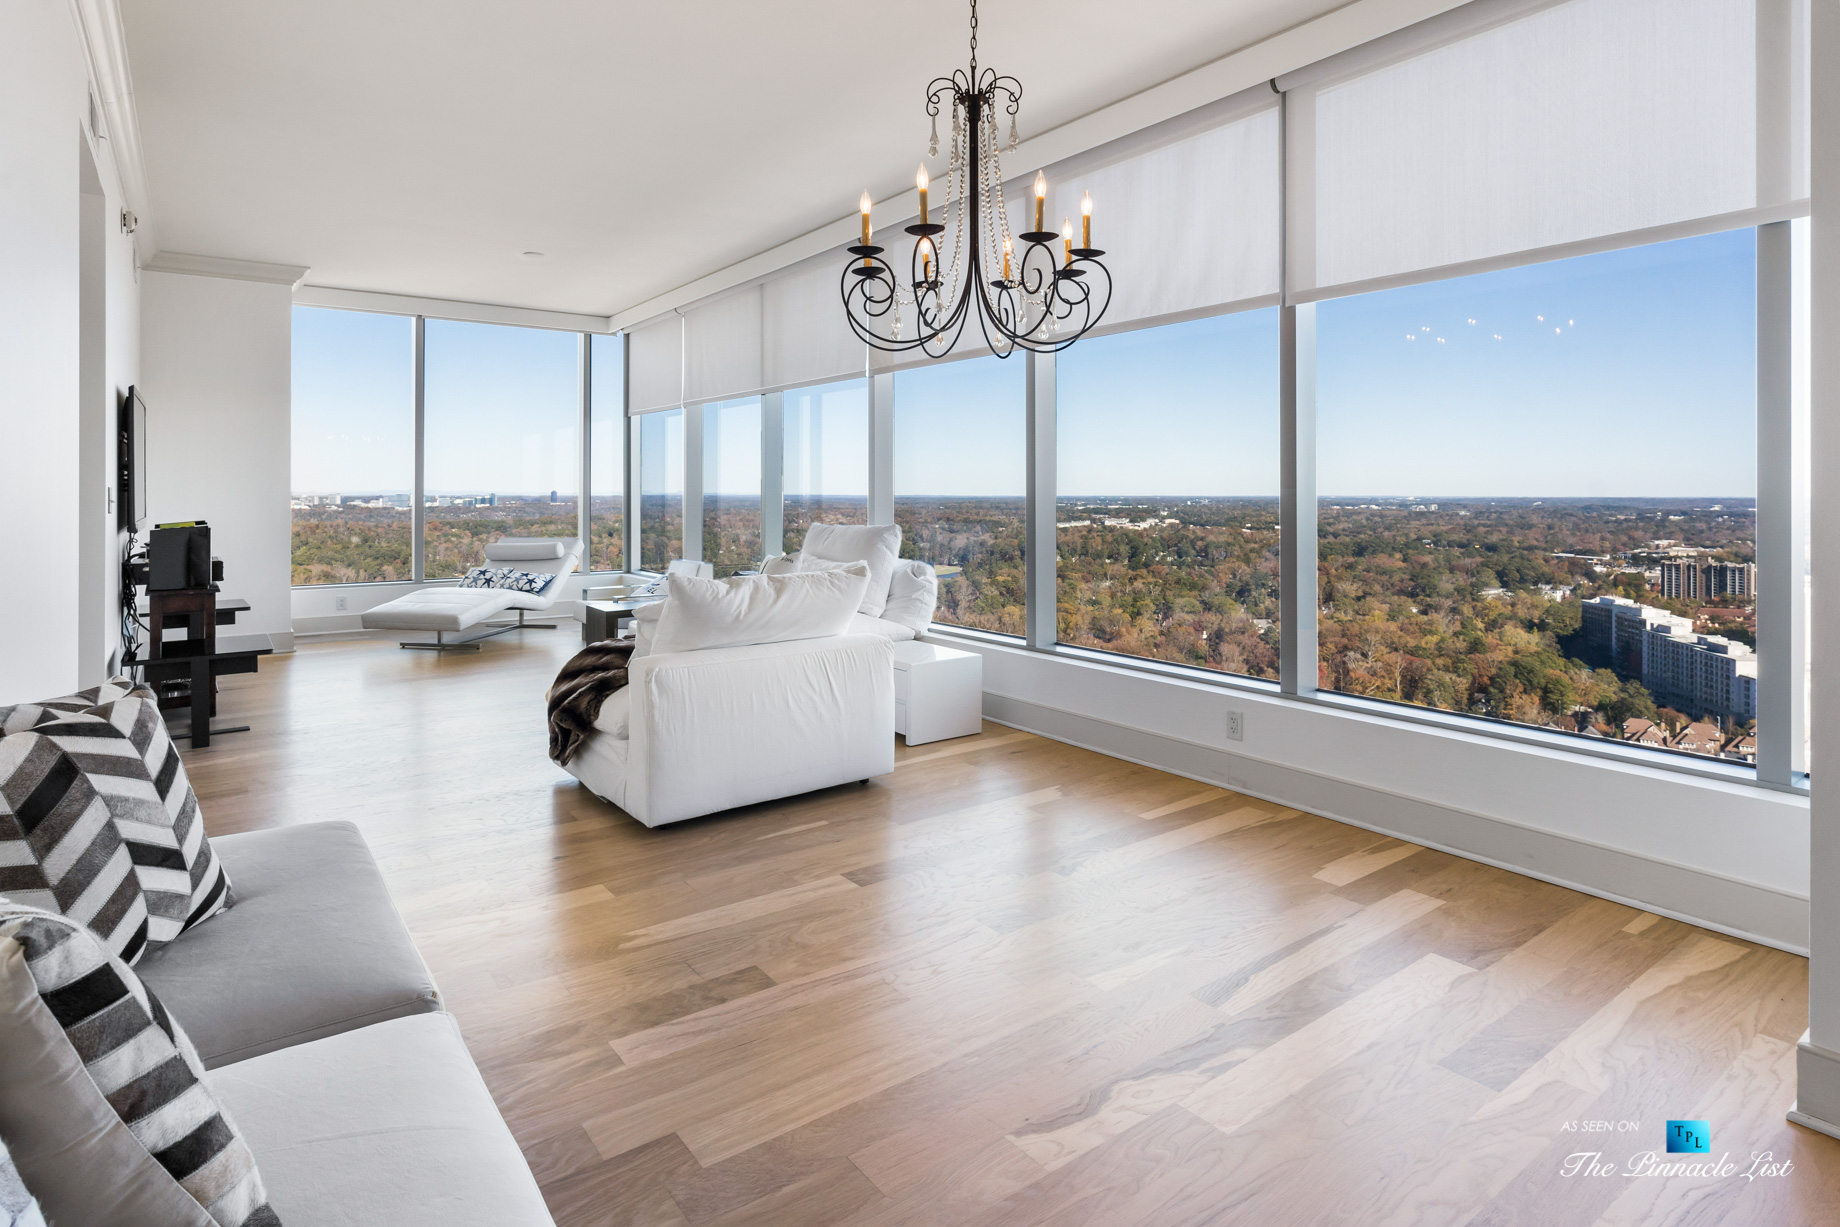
(750, 609)
(781, 564)
(645, 628)
(879, 545)
(913, 592)
(522, 549)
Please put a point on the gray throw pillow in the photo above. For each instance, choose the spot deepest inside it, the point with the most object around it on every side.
(102, 1098)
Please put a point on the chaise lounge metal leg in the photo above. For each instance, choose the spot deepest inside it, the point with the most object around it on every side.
(440, 643)
(520, 625)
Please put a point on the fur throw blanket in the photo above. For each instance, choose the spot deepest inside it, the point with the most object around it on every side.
(575, 699)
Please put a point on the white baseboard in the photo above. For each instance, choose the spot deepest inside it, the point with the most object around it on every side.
(1817, 1088)
(1748, 910)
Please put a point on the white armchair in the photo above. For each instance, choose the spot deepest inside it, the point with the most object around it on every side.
(697, 732)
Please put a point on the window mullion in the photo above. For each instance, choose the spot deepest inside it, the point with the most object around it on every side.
(1779, 572)
(772, 474)
(417, 513)
(1297, 597)
(584, 452)
(629, 478)
(1040, 547)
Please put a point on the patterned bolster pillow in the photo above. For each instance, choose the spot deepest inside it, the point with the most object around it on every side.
(506, 577)
(99, 823)
(102, 1098)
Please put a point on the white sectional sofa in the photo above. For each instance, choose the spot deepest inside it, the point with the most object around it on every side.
(697, 732)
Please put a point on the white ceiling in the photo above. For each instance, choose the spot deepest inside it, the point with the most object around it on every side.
(421, 146)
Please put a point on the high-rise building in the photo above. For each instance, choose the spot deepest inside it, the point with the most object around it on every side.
(1733, 578)
(1689, 579)
(1700, 674)
(1615, 630)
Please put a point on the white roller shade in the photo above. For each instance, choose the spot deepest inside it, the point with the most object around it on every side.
(805, 338)
(1571, 124)
(1185, 226)
(656, 380)
(722, 356)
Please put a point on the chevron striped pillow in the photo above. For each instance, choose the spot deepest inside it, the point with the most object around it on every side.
(137, 766)
(24, 716)
(124, 759)
(59, 847)
(140, 1065)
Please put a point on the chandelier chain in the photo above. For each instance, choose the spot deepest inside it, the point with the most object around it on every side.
(973, 44)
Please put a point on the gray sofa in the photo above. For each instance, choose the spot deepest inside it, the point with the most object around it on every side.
(326, 1042)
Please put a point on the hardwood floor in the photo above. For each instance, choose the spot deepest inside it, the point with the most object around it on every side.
(1017, 983)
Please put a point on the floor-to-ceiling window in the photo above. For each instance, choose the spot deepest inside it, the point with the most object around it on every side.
(960, 477)
(1167, 504)
(1537, 494)
(826, 433)
(731, 484)
(607, 454)
(353, 455)
(661, 488)
(501, 425)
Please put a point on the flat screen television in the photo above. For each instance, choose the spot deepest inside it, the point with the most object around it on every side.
(131, 458)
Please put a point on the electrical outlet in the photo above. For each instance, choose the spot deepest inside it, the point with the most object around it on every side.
(1236, 726)
(338, 602)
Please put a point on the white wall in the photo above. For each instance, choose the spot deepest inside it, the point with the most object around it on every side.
(1732, 856)
(43, 110)
(216, 361)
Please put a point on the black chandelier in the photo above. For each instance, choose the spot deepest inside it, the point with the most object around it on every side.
(1039, 303)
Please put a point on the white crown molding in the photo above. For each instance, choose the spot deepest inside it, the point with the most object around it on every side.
(1301, 45)
(105, 46)
(447, 309)
(290, 275)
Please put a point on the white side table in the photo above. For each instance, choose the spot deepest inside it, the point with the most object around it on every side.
(938, 692)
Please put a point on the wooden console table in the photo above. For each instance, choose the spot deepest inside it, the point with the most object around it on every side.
(201, 661)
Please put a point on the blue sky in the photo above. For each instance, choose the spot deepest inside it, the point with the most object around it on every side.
(1628, 373)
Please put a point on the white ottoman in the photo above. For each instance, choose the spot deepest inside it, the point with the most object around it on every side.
(938, 692)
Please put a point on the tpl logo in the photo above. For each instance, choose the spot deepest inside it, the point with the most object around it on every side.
(1689, 1137)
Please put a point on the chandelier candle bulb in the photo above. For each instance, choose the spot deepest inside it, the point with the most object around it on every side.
(1067, 238)
(1006, 257)
(1041, 197)
(1086, 219)
(921, 181)
(863, 204)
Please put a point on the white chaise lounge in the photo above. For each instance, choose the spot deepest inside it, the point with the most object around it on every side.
(453, 611)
